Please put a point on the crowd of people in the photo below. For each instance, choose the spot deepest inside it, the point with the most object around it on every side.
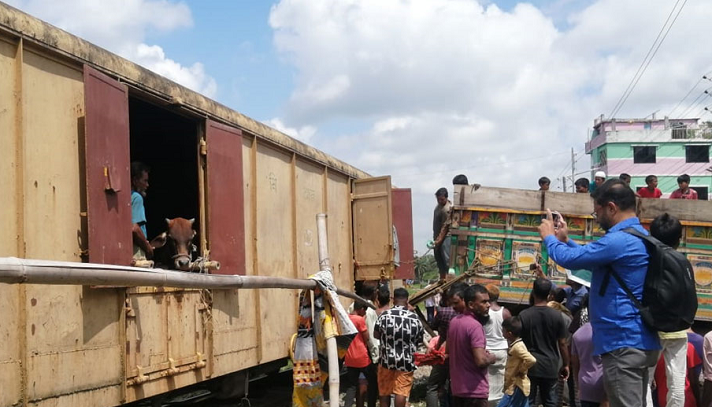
(593, 342)
(582, 185)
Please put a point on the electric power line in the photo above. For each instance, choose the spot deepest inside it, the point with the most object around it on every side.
(646, 61)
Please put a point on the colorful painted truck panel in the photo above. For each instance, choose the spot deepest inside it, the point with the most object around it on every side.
(498, 226)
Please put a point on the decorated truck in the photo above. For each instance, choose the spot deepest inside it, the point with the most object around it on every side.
(495, 236)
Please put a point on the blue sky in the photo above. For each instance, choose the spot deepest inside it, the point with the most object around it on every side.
(233, 40)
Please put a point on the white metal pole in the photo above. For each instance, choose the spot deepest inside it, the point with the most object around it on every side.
(25, 271)
(573, 170)
(331, 350)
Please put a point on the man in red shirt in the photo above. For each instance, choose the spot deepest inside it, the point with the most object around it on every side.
(692, 384)
(357, 359)
(685, 192)
(651, 191)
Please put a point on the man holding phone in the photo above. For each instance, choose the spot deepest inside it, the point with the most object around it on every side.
(627, 347)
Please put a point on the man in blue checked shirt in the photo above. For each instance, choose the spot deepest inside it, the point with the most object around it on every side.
(626, 346)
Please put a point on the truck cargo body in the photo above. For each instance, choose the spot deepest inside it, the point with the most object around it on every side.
(72, 117)
(499, 228)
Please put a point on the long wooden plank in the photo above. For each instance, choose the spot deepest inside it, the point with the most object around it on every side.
(573, 204)
(488, 197)
(680, 208)
(568, 203)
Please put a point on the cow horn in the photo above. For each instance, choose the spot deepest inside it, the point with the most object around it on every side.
(168, 221)
(191, 221)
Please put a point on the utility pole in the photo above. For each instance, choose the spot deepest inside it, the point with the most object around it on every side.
(573, 170)
(563, 179)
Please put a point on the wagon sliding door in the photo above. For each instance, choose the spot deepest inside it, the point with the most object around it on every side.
(403, 221)
(108, 178)
(226, 219)
(372, 228)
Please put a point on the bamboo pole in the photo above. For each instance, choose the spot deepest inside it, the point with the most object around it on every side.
(331, 349)
(24, 271)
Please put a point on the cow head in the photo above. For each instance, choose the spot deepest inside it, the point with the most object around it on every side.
(178, 242)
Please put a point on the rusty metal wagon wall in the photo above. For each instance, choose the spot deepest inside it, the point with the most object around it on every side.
(66, 109)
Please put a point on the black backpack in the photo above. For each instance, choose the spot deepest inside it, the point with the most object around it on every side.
(669, 296)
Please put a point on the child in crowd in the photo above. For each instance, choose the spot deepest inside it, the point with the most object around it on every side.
(684, 192)
(519, 360)
(676, 385)
(357, 359)
(651, 191)
(544, 184)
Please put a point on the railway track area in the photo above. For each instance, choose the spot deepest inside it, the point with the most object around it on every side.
(267, 391)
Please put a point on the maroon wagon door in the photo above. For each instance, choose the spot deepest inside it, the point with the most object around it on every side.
(226, 218)
(108, 180)
(403, 221)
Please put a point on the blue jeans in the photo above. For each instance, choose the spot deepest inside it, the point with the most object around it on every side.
(516, 399)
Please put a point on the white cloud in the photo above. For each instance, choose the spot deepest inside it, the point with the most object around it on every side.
(304, 133)
(450, 86)
(122, 28)
(193, 77)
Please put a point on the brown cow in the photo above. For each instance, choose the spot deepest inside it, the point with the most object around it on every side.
(177, 251)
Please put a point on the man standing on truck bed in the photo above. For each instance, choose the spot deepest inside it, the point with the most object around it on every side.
(627, 347)
(441, 244)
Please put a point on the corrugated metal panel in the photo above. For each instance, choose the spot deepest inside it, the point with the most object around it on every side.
(403, 221)
(108, 178)
(226, 217)
(372, 228)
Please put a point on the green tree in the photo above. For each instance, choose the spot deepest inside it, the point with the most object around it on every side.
(425, 267)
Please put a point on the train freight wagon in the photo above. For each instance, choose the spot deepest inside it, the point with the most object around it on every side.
(496, 230)
(72, 118)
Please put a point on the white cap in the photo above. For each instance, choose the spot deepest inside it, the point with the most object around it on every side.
(600, 174)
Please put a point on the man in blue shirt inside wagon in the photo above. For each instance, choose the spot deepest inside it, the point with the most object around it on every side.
(626, 346)
(142, 248)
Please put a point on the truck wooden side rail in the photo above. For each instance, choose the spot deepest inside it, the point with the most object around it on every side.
(498, 226)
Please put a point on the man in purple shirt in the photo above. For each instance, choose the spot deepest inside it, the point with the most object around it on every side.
(587, 368)
(468, 358)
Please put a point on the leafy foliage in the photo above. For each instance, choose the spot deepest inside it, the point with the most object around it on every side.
(426, 268)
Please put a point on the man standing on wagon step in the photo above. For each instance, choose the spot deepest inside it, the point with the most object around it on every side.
(627, 347)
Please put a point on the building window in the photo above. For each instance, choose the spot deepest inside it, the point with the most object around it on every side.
(647, 126)
(702, 193)
(697, 154)
(644, 154)
(602, 158)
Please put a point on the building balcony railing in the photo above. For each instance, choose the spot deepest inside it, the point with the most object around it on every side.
(684, 134)
(649, 136)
